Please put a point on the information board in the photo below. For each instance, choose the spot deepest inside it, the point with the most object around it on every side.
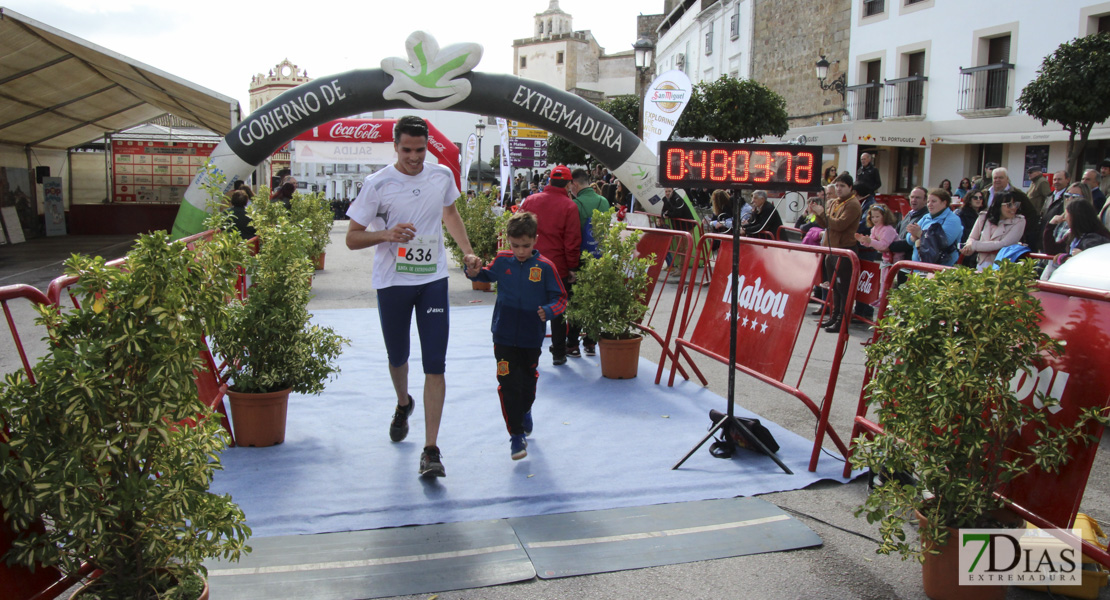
(150, 171)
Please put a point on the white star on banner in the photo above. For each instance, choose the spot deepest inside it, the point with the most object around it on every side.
(754, 324)
(745, 322)
(764, 328)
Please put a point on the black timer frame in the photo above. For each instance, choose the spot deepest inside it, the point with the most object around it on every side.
(705, 182)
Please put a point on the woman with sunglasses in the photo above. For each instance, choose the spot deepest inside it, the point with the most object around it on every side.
(1056, 229)
(962, 189)
(995, 229)
(969, 214)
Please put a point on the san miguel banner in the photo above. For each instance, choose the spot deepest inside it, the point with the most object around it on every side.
(774, 287)
(506, 160)
(664, 102)
(430, 78)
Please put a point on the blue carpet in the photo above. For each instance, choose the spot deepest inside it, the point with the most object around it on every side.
(597, 444)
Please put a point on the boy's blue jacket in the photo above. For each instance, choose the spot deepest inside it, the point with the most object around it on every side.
(523, 287)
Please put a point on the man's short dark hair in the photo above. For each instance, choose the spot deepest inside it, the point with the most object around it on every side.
(522, 224)
(845, 178)
(580, 175)
(410, 125)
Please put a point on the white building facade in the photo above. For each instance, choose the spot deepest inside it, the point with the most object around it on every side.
(932, 88)
(708, 42)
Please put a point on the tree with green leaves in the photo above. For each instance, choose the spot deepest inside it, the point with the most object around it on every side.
(625, 109)
(1069, 89)
(731, 110)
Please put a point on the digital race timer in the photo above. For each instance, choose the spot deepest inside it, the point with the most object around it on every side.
(723, 165)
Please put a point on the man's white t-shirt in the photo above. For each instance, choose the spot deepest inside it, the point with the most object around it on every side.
(389, 197)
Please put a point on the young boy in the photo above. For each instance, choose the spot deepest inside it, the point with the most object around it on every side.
(529, 292)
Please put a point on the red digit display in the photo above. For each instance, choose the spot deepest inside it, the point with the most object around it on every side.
(724, 165)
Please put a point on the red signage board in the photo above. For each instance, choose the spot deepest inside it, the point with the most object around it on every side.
(774, 288)
(150, 171)
(1079, 379)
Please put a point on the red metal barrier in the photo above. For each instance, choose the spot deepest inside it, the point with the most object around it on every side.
(658, 242)
(775, 280)
(1080, 318)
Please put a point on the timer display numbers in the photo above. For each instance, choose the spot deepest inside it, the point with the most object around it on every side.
(785, 167)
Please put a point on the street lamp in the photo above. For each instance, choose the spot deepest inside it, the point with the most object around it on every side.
(479, 128)
(837, 85)
(645, 50)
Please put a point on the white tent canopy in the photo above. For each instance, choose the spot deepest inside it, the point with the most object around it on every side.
(59, 91)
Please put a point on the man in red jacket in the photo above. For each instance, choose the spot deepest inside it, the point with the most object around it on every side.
(560, 241)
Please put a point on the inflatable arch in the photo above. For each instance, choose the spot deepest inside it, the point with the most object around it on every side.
(430, 78)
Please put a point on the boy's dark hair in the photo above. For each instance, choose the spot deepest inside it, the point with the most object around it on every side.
(845, 178)
(411, 125)
(239, 198)
(522, 224)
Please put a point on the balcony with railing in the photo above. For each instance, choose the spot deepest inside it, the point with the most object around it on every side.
(863, 101)
(905, 98)
(986, 91)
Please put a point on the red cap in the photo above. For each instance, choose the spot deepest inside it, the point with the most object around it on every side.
(560, 172)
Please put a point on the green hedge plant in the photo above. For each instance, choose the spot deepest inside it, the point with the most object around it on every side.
(948, 347)
(97, 448)
(609, 291)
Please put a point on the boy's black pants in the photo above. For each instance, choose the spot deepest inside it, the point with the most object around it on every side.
(516, 378)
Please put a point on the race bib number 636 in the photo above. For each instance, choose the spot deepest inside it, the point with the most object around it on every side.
(419, 256)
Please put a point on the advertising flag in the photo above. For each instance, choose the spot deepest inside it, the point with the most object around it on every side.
(663, 105)
(506, 160)
(468, 157)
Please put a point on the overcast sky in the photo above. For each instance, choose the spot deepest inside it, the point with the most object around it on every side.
(220, 45)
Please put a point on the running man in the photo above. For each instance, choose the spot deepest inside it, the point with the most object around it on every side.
(400, 210)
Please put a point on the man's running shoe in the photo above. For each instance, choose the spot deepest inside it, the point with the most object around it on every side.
(527, 423)
(431, 464)
(399, 426)
(519, 446)
(574, 353)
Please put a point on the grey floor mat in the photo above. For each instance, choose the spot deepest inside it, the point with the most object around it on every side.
(600, 541)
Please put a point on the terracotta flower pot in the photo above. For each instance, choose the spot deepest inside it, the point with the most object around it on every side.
(258, 419)
(940, 574)
(319, 260)
(620, 359)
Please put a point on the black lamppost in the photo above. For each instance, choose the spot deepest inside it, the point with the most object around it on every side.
(645, 50)
(837, 85)
(479, 128)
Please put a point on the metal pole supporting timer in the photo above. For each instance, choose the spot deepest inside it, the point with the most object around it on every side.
(729, 416)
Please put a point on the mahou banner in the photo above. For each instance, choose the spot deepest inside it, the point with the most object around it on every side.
(663, 105)
(774, 287)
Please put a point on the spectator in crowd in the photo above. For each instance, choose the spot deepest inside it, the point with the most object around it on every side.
(285, 191)
(1039, 188)
(1000, 182)
(940, 222)
(622, 195)
(830, 175)
(1085, 230)
(882, 234)
(946, 185)
(807, 223)
(764, 218)
(962, 189)
(998, 227)
(918, 209)
(722, 209)
(1104, 171)
(674, 206)
(868, 175)
(969, 213)
(1093, 180)
(1056, 228)
(587, 200)
(239, 218)
(840, 218)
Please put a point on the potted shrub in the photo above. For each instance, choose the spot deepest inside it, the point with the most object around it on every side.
(942, 363)
(483, 228)
(98, 448)
(269, 342)
(609, 295)
(313, 212)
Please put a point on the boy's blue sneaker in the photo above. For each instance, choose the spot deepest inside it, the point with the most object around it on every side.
(519, 446)
(527, 423)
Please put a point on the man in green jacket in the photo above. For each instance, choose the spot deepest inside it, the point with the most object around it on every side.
(587, 201)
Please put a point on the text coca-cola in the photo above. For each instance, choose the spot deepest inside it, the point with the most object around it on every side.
(362, 131)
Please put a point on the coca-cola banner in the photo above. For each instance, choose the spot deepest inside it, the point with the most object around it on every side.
(430, 78)
(351, 130)
(774, 286)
